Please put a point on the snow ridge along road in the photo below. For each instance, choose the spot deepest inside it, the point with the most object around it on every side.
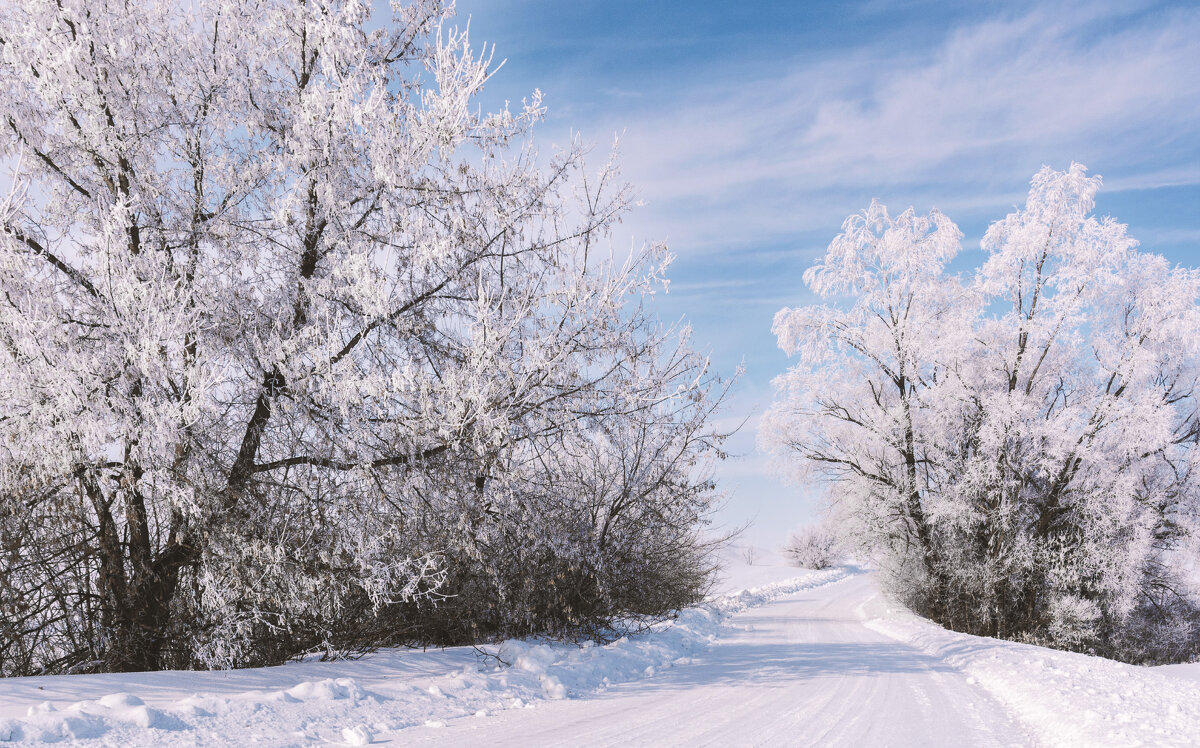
(387, 696)
(1070, 699)
(817, 659)
(800, 669)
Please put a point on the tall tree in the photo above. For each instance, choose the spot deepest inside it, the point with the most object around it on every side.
(1034, 474)
(284, 317)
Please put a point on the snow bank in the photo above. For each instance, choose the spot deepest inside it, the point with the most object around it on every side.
(1071, 699)
(358, 702)
(562, 671)
(1187, 672)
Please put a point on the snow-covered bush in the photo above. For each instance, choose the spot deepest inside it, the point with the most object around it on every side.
(1074, 620)
(298, 345)
(604, 527)
(1016, 448)
(813, 547)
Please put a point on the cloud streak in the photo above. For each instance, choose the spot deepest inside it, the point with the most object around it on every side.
(963, 124)
(751, 140)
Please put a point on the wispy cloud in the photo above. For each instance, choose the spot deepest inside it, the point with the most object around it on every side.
(751, 142)
(962, 125)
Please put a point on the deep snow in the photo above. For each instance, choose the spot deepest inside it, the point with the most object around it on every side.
(779, 656)
(357, 702)
(1072, 699)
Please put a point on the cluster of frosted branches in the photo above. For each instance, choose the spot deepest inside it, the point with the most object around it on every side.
(814, 546)
(300, 350)
(1017, 446)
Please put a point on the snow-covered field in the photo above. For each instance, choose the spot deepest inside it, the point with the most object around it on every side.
(779, 656)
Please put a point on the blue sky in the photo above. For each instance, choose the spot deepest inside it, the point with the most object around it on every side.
(751, 130)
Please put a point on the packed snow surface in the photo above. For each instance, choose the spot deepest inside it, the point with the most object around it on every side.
(1072, 699)
(801, 658)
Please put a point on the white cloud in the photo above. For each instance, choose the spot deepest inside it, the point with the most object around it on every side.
(962, 125)
(749, 168)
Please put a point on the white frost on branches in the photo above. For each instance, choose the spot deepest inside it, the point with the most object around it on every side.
(287, 326)
(1020, 443)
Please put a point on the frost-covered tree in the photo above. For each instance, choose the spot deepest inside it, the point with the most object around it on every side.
(813, 546)
(1017, 446)
(857, 407)
(293, 336)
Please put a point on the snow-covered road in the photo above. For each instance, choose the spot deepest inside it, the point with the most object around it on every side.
(800, 670)
(785, 657)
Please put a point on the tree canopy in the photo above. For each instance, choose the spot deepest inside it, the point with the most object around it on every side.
(1018, 447)
(300, 349)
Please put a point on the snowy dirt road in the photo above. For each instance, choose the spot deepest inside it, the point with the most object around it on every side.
(800, 670)
(784, 657)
